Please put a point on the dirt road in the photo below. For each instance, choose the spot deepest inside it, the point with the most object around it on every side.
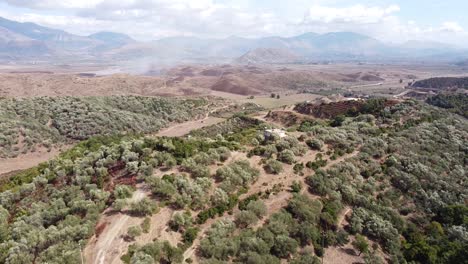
(26, 161)
(108, 247)
(182, 129)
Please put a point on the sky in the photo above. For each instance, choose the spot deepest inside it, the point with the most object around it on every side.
(393, 21)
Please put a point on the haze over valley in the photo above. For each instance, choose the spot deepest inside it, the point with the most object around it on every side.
(216, 131)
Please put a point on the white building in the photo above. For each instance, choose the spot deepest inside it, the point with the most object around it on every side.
(275, 132)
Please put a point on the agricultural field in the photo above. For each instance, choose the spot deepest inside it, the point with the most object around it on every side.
(385, 184)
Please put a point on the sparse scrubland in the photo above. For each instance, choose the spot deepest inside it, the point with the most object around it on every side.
(399, 169)
(31, 123)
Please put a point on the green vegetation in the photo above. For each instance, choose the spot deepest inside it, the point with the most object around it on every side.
(442, 83)
(154, 252)
(69, 193)
(457, 103)
(133, 232)
(402, 175)
(32, 123)
(280, 238)
(361, 244)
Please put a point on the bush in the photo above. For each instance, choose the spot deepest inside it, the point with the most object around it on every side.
(286, 156)
(296, 187)
(238, 173)
(273, 167)
(314, 144)
(244, 219)
(146, 225)
(190, 235)
(181, 221)
(123, 192)
(133, 232)
(284, 246)
(298, 168)
(337, 121)
(361, 244)
(143, 208)
(258, 208)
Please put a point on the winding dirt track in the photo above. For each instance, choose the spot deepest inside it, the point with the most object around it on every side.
(102, 250)
(109, 246)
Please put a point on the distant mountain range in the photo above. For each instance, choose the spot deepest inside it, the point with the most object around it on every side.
(29, 41)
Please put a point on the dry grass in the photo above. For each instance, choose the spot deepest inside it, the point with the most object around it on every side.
(241, 81)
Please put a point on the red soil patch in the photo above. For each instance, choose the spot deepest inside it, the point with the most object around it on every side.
(229, 86)
(331, 110)
(100, 228)
(286, 118)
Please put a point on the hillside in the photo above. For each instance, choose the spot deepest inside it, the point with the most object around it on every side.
(112, 38)
(268, 56)
(28, 125)
(457, 103)
(378, 188)
(32, 41)
(332, 110)
(442, 83)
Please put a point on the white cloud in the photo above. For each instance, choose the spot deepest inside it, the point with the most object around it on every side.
(354, 14)
(451, 26)
(54, 4)
(150, 19)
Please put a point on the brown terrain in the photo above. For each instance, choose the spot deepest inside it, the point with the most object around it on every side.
(204, 80)
(286, 118)
(26, 161)
(293, 83)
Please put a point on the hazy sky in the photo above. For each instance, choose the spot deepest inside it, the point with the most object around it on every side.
(388, 20)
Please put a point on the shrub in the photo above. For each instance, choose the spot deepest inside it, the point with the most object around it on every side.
(286, 156)
(284, 246)
(181, 221)
(246, 218)
(123, 192)
(133, 232)
(296, 187)
(190, 235)
(146, 225)
(257, 207)
(315, 144)
(238, 173)
(273, 167)
(361, 244)
(143, 207)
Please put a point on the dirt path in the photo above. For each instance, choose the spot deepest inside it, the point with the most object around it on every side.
(345, 254)
(108, 247)
(342, 216)
(182, 129)
(27, 161)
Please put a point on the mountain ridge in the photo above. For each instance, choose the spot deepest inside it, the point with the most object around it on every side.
(25, 41)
